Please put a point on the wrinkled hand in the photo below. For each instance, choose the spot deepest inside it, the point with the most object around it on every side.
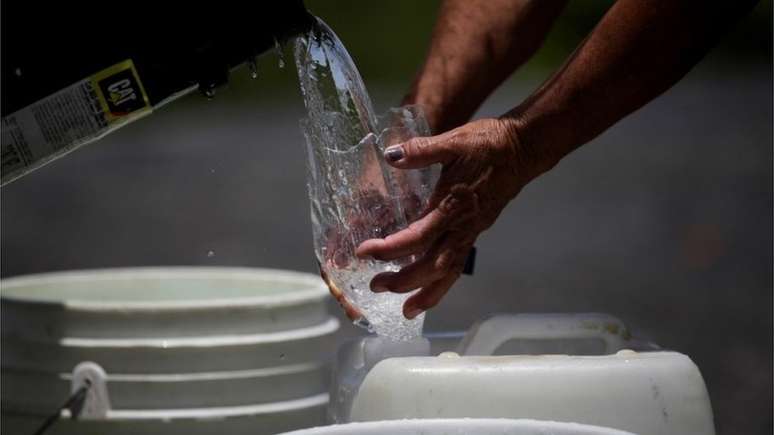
(484, 167)
(369, 210)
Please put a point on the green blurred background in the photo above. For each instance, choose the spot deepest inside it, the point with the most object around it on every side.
(665, 220)
(388, 39)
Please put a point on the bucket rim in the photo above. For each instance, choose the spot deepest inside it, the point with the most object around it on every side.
(313, 287)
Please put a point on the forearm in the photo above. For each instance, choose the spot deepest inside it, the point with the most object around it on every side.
(638, 50)
(476, 44)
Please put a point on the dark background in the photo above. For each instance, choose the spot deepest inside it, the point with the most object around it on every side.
(665, 220)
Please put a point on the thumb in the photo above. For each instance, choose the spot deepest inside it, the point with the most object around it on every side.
(419, 152)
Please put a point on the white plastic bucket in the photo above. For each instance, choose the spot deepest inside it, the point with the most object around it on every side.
(460, 427)
(178, 346)
(159, 302)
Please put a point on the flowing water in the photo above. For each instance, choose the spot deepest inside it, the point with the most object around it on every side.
(354, 194)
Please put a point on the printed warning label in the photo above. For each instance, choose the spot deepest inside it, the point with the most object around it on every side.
(71, 117)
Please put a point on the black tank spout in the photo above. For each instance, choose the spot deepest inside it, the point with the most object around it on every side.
(48, 45)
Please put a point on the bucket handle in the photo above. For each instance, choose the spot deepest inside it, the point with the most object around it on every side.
(96, 404)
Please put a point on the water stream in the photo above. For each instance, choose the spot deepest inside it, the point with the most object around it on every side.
(354, 194)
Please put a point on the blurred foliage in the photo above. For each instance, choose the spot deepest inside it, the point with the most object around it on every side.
(388, 39)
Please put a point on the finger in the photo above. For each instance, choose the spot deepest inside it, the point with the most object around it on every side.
(453, 212)
(441, 190)
(414, 239)
(461, 201)
(428, 269)
(420, 152)
(443, 259)
(429, 296)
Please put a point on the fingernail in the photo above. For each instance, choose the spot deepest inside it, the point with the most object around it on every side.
(412, 311)
(379, 288)
(394, 153)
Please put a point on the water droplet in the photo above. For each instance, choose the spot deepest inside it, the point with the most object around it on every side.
(210, 253)
(209, 93)
(18, 72)
(253, 68)
(280, 54)
(212, 171)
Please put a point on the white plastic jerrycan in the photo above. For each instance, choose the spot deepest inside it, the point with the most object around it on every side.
(647, 393)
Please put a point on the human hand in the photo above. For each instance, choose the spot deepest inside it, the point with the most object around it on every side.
(369, 211)
(485, 165)
(371, 200)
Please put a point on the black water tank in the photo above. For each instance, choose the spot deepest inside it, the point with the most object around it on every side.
(49, 45)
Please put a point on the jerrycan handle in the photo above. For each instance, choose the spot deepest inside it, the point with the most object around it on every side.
(487, 335)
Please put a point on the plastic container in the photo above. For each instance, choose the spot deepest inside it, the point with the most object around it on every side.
(652, 392)
(160, 302)
(459, 427)
(22, 388)
(648, 393)
(173, 355)
(504, 334)
(167, 348)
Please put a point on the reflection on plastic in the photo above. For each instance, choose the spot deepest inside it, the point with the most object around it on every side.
(355, 196)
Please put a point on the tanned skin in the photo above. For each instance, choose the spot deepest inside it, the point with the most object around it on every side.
(638, 50)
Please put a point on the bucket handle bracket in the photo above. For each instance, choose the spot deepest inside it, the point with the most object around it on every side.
(92, 377)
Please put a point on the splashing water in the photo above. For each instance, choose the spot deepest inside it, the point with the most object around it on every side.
(252, 67)
(280, 53)
(330, 82)
(354, 194)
